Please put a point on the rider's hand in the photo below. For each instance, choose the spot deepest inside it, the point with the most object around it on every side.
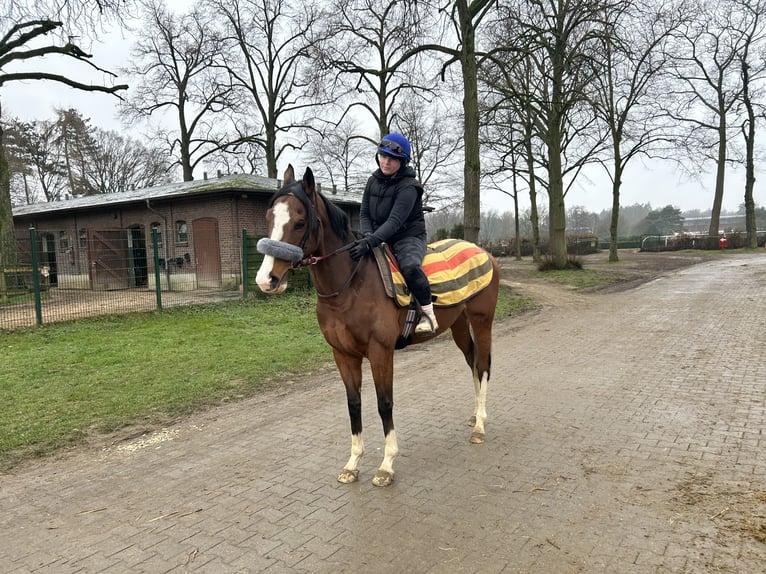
(360, 249)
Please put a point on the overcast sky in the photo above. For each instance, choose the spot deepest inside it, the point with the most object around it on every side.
(657, 183)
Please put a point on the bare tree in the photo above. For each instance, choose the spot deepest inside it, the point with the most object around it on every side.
(752, 65)
(706, 61)
(122, 163)
(435, 147)
(338, 152)
(555, 45)
(268, 45)
(30, 31)
(634, 35)
(372, 46)
(465, 18)
(179, 68)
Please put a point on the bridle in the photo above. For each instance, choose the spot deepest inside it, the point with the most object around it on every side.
(295, 190)
(314, 224)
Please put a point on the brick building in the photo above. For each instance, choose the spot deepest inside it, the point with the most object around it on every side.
(105, 242)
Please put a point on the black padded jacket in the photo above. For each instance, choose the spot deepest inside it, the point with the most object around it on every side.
(392, 207)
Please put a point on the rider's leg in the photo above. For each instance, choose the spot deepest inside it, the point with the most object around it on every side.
(409, 254)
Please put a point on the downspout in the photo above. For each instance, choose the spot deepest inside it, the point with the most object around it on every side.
(164, 241)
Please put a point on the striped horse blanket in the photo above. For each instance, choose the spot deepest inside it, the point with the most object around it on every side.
(456, 270)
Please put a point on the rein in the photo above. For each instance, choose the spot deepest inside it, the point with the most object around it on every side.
(313, 260)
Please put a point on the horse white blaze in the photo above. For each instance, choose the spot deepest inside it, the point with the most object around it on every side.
(391, 450)
(357, 452)
(281, 219)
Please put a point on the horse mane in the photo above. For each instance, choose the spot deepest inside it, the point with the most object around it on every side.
(339, 221)
(338, 218)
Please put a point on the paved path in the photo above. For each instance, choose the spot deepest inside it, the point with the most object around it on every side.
(626, 434)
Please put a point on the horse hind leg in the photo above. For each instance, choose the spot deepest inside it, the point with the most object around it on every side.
(482, 341)
(479, 361)
(480, 382)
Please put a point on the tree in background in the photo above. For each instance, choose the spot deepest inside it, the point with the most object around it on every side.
(752, 65)
(179, 71)
(267, 46)
(665, 221)
(370, 47)
(122, 163)
(107, 163)
(555, 45)
(36, 160)
(633, 41)
(706, 60)
(337, 152)
(465, 18)
(74, 138)
(30, 32)
(436, 148)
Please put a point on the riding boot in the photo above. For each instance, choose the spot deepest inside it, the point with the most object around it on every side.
(427, 323)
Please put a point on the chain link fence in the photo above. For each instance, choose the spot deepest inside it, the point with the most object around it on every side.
(46, 281)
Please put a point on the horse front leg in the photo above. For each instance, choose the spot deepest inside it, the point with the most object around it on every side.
(350, 369)
(382, 366)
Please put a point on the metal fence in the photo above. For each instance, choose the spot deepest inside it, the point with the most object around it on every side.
(48, 281)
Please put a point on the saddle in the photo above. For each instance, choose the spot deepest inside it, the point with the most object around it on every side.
(456, 270)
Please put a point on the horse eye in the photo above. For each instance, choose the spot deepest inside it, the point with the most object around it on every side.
(300, 225)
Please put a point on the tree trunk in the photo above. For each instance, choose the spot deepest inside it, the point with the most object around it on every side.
(8, 251)
(533, 216)
(613, 225)
(749, 133)
(472, 165)
(556, 209)
(517, 237)
(715, 214)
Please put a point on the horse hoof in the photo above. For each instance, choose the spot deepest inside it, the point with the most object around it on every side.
(477, 438)
(348, 476)
(472, 422)
(383, 478)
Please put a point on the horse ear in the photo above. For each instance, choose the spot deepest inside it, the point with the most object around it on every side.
(289, 176)
(308, 178)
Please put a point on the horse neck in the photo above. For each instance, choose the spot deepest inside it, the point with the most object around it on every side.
(330, 274)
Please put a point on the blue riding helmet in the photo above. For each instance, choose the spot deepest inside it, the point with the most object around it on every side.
(395, 145)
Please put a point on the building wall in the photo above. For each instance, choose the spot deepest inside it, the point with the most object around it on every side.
(232, 211)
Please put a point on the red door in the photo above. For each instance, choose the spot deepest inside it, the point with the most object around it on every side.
(206, 252)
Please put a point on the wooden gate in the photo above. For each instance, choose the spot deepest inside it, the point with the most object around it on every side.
(108, 256)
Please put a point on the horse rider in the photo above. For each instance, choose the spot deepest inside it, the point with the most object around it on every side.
(392, 212)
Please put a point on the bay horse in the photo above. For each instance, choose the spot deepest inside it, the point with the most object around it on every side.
(356, 316)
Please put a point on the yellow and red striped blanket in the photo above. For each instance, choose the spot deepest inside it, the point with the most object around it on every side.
(456, 270)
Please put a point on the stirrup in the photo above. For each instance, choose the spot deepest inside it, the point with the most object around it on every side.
(426, 325)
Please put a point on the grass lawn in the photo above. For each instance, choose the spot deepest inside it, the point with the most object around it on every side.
(64, 381)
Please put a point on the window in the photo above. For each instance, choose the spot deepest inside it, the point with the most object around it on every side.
(63, 240)
(182, 236)
(83, 238)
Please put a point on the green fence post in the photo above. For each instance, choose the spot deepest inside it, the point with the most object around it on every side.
(157, 284)
(245, 278)
(36, 275)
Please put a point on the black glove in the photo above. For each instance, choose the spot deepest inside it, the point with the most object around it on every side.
(360, 249)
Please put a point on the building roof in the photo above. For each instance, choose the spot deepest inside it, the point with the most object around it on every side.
(237, 182)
